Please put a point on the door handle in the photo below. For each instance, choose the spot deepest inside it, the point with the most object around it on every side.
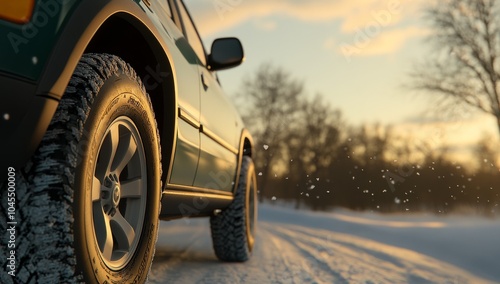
(204, 81)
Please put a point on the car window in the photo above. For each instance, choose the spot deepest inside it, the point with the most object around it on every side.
(192, 34)
(164, 6)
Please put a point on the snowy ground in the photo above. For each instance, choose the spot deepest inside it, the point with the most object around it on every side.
(344, 247)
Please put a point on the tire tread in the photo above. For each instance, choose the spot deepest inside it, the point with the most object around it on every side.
(230, 241)
(44, 186)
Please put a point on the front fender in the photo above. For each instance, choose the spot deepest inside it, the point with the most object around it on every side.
(34, 72)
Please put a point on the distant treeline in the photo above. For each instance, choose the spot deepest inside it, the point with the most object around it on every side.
(436, 185)
(306, 154)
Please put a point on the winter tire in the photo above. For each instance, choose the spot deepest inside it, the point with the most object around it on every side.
(91, 193)
(233, 230)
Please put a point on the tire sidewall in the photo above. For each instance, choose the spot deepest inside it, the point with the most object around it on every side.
(251, 181)
(118, 96)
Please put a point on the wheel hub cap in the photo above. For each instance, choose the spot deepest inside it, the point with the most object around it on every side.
(111, 194)
(116, 195)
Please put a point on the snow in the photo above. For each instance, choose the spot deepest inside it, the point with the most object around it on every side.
(339, 247)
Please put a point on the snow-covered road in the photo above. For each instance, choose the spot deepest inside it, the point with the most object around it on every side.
(345, 247)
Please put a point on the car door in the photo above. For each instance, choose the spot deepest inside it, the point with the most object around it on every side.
(188, 86)
(219, 123)
(219, 138)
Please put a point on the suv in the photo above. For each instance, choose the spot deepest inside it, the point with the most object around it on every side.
(112, 118)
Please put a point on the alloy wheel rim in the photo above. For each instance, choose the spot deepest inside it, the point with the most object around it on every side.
(251, 212)
(119, 192)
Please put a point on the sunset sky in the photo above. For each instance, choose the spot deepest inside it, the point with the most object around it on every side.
(356, 53)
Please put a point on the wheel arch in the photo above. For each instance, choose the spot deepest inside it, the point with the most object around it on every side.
(152, 64)
(246, 149)
(246, 146)
(85, 29)
(93, 27)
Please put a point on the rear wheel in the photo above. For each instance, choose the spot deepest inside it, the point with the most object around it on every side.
(233, 230)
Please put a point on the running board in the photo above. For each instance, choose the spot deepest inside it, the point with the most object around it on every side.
(175, 204)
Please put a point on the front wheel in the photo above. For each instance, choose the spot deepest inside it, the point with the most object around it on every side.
(117, 179)
(233, 230)
(91, 192)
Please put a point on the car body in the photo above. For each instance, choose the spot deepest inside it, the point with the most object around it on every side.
(203, 139)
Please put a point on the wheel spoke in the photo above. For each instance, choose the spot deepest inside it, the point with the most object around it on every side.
(126, 149)
(108, 151)
(103, 231)
(131, 188)
(96, 189)
(123, 231)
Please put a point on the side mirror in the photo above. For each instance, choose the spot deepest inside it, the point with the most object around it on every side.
(225, 53)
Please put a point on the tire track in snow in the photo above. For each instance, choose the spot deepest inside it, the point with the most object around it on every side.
(313, 263)
(176, 262)
(365, 261)
(347, 264)
(180, 259)
(279, 268)
(169, 255)
(295, 263)
(294, 254)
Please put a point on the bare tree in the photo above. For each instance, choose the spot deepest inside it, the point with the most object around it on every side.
(373, 142)
(467, 70)
(314, 142)
(486, 153)
(269, 105)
